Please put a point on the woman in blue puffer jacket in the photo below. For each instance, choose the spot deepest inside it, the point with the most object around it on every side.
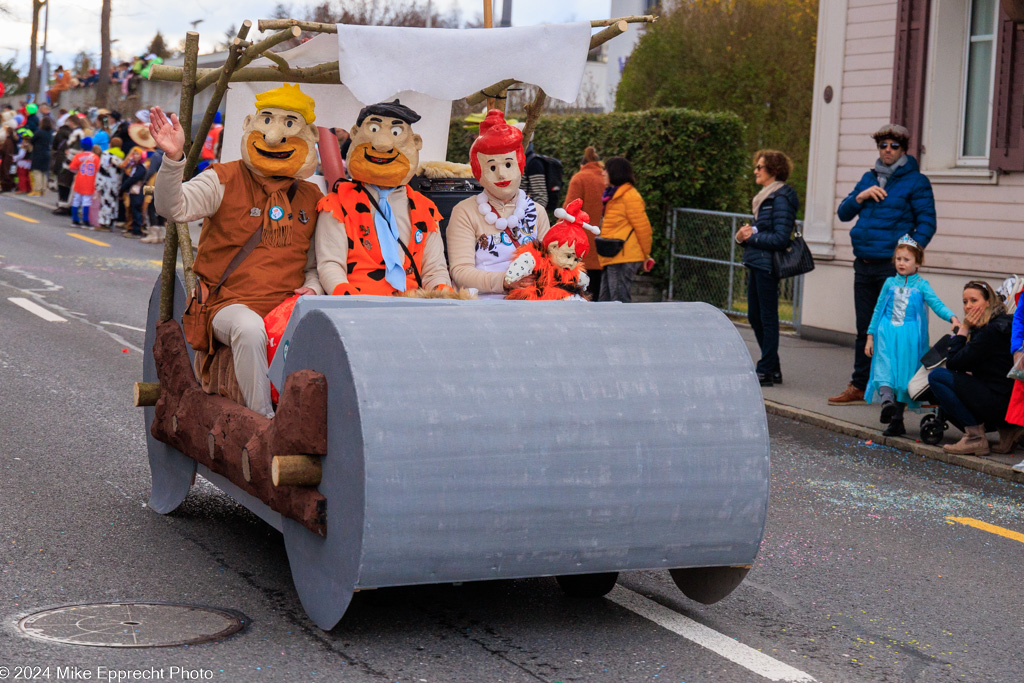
(774, 210)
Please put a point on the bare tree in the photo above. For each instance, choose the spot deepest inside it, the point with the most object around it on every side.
(33, 68)
(103, 86)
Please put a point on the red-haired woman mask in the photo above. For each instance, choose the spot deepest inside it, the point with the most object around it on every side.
(485, 231)
(497, 157)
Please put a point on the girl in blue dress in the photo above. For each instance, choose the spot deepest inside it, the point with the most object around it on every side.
(898, 334)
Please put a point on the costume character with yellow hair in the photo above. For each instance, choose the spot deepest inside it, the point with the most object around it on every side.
(262, 192)
(377, 235)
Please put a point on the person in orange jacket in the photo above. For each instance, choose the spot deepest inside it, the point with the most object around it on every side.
(588, 184)
(85, 165)
(624, 219)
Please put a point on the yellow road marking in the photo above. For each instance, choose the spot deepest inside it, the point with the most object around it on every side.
(159, 263)
(88, 239)
(18, 215)
(991, 528)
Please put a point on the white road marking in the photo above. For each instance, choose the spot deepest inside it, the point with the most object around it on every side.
(36, 309)
(708, 638)
(127, 327)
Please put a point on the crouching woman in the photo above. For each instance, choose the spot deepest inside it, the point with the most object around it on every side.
(973, 388)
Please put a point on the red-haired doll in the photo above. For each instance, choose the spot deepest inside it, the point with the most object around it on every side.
(485, 231)
(557, 262)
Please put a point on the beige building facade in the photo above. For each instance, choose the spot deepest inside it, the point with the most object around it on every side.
(952, 71)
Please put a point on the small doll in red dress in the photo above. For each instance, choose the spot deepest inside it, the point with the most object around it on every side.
(556, 264)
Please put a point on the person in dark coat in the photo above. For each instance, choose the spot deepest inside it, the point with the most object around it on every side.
(41, 145)
(774, 209)
(62, 144)
(973, 388)
(8, 148)
(891, 200)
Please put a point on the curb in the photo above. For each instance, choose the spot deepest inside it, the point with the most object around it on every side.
(42, 204)
(971, 462)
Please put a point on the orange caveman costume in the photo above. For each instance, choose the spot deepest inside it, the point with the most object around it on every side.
(376, 235)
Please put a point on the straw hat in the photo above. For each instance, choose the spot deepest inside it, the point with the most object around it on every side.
(140, 135)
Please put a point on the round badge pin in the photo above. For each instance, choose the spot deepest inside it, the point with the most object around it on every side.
(505, 239)
(418, 236)
(276, 213)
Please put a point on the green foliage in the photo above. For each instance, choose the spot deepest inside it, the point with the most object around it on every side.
(460, 139)
(751, 57)
(158, 46)
(14, 84)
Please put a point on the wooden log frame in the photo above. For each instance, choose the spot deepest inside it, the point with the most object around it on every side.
(216, 432)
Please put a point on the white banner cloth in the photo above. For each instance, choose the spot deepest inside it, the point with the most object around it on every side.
(376, 62)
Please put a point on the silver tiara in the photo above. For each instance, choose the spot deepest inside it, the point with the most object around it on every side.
(909, 241)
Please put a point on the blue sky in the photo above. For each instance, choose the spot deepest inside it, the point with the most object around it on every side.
(74, 24)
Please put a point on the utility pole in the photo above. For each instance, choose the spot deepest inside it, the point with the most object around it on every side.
(44, 68)
(33, 65)
(104, 83)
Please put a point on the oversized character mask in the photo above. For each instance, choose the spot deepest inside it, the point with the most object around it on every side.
(279, 140)
(384, 151)
(497, 157)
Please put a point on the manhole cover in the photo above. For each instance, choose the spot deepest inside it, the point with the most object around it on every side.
(131, 624)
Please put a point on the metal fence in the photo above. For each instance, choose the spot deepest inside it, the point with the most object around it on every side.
(705, 264)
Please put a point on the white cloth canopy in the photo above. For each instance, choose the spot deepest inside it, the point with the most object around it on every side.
(378, 61)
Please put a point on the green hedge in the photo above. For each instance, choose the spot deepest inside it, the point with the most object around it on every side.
(681, 158)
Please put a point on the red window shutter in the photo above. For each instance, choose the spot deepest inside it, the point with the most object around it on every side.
(1006, 151)
(909, 68)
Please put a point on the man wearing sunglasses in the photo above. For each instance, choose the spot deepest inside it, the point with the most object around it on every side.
(891, 200)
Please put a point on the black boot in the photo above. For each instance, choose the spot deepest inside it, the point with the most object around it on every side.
(895, 428)
(777, 377)
(888, 411)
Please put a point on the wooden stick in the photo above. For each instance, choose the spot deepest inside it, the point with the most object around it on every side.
(320, 27)
(252, 52)
(295, 470)
(613, 30)
(533, 112)
(170, 261)
(321, 73)
(635, 19)
(145, 393)
(218, 95)
(490, 91)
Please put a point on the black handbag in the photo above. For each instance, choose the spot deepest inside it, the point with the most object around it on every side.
(794, 260)
(609, 246)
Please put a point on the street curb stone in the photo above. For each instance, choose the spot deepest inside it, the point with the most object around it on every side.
(979, 464)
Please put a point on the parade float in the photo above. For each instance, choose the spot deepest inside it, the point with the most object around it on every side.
(424, 441)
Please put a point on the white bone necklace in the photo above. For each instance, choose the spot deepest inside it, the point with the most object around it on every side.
(491, 216)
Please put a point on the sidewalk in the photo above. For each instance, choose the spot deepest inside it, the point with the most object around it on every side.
(813, 371)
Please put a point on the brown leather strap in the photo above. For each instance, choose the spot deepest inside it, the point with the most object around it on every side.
(512, 237)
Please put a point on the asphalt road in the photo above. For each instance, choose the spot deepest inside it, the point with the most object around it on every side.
(862, 575)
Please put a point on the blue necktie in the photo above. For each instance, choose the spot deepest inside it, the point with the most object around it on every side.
(387, 238)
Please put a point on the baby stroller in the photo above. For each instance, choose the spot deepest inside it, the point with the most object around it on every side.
(934, 424)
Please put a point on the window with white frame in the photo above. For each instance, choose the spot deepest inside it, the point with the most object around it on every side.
(960, 72)
(976, 109)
